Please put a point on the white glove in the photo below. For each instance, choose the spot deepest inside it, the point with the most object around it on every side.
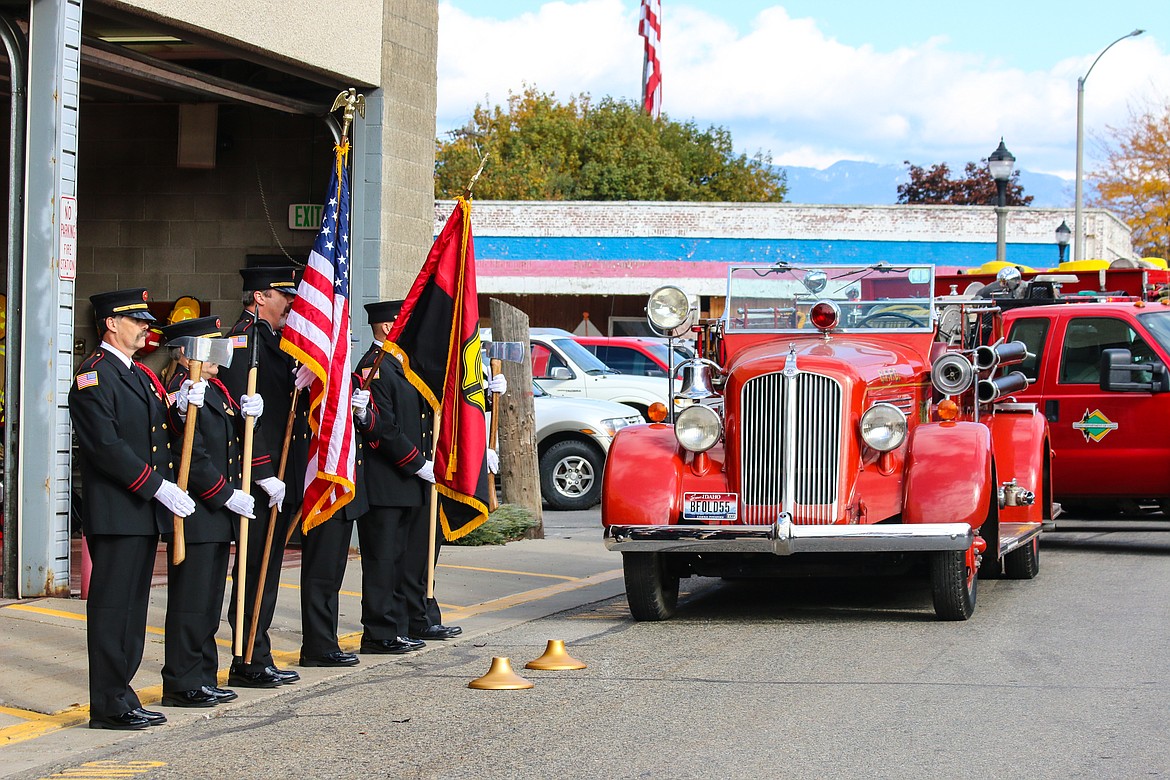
(493, 461)
(303, 377)
(498, 384)
(252, 405)
(190, 394)
(241, 503)
(175, 499)
(275, 490)
(360, 401)
(427, 471)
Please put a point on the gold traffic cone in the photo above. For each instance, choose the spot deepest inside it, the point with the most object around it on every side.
(555, 658)
(500, 678)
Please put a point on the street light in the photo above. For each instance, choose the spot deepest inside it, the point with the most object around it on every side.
(1078, 221)
(1063, 234)
(1001, 163)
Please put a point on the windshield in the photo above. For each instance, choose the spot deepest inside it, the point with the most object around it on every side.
(1158, 324)
(577, 354)
(537, 390)
(779, 297)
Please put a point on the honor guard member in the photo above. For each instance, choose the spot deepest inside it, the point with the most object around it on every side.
(268, 295)
(195, 587)
(397, 477)
(119, 412)
(325, 553)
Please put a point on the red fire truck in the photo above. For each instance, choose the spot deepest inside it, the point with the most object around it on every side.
(833, 424)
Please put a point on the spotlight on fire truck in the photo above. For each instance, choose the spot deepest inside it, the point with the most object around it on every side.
(990, 390)
(1006, 354)
(952, 374)
(824, 315)
(698, 428)
(669, 311)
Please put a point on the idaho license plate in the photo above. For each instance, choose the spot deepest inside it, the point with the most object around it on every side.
(710, 506)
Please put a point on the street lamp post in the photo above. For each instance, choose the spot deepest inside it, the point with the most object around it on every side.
(1078, 221)
(1001, 162)
(1063, 234)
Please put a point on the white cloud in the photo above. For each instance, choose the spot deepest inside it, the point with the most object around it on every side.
(785, 87)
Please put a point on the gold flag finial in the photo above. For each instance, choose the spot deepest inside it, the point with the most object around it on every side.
(475, 178)
(353, 103)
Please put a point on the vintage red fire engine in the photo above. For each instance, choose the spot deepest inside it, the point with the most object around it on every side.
(838, 417)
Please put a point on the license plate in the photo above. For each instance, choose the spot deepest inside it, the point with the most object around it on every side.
(710, 506)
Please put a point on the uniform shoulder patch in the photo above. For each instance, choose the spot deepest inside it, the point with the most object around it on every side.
(365, 372)
(88, 379)
(239, 342)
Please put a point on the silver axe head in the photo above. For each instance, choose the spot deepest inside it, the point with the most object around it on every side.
(511, 351)
(205, 350)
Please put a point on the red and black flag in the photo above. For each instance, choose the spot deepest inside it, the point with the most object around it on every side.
(436, 336)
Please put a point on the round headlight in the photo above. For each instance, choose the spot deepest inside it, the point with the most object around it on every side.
(697, 428)
(668, 309)
(883, 427)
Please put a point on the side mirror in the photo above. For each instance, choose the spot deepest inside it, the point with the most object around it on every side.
(561, 372)
(1119, 374)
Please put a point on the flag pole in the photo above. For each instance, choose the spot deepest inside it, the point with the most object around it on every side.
(434, 520)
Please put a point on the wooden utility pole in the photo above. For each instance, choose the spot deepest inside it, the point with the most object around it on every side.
(519, 462)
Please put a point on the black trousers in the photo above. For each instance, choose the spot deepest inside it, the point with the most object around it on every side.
(257, 532)
(382, 534)
(194, 606)
(420, 612)
(324, 553)
(119, 594)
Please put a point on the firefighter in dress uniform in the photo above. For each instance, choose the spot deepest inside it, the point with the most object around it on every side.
(119, 412)
(268, 293)
(195, 587)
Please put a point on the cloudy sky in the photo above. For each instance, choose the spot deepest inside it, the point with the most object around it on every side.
(817, 81)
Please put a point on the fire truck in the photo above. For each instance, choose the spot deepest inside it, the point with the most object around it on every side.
(831, 423)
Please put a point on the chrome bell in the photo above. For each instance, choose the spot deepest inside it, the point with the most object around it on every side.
(696, 378)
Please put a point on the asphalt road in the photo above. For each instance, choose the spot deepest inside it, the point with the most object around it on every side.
(1064, 676)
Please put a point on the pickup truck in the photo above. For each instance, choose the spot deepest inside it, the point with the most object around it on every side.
(1098, 373)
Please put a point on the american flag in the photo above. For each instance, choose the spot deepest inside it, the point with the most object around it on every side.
(650, 28)
(317, 334)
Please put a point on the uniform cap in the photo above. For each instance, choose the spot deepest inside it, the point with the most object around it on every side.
(126, 303)
(282, 278)
(200, 327)
(382, 311)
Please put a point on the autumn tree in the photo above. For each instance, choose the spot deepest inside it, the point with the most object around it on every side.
(1134, 180)
(542, 149)
(975, 188)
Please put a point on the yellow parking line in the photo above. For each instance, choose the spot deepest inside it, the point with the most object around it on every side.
(68, 615)
(505, 602)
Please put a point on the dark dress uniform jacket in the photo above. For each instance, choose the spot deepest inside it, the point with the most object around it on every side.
(218, 429)
(120, 417)
(399, 436)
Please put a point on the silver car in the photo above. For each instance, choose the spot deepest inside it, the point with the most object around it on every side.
(572, 440)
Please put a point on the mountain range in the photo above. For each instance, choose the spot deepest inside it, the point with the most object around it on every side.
(849, 182)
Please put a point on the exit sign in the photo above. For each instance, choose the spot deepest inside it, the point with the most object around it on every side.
(304, 216)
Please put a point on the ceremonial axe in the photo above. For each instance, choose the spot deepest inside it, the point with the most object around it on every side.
(498, 352)
(197, 350)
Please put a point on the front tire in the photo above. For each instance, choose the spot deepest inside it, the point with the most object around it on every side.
(953, 584)
(651, 590)
(1023, 563)
(570, 475)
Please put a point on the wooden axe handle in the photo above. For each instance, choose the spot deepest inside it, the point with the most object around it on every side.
(242, 542)
(179, 541)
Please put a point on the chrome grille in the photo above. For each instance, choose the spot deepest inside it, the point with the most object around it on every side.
(809, 405)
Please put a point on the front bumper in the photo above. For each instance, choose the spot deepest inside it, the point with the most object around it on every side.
(784, 538)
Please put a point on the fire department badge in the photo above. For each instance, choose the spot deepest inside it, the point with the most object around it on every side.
(1094, 425)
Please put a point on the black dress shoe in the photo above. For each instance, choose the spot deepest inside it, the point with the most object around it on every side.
(438, 632)
(336, 658)
(415, 644)
(198, 697)
(286, 676)
(152, 717)
(223, 694)
(127, 721)
(387, 646)
(253, 678)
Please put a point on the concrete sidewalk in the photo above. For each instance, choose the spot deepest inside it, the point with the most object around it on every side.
(44, 676)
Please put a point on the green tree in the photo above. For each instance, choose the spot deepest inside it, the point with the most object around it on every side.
(1134, 180)
(543, 149)
(975, 187)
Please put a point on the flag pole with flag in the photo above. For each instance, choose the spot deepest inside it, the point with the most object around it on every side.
(317, 334)
(650, 28)
(436, 337)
